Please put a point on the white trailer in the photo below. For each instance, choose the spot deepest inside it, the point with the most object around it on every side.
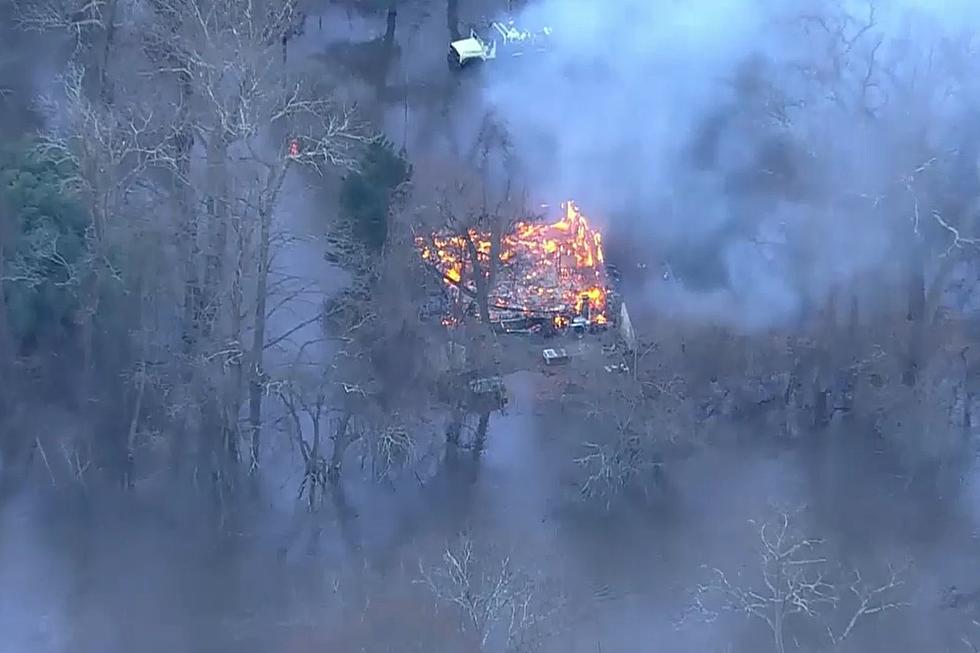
(502, 38)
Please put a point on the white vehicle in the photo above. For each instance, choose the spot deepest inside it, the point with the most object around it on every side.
(511, 41)
(466, 51)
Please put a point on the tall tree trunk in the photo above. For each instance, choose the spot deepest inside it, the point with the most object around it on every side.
(134, 422)
(480, 441)
(6, 337)
(777, 633)
(916, 317)
(347, 519)
(934, 294)
(480, 280)
(452, 19)
(495, 237)
(313, 471)
(267, 205)
(108, 41)
(89, 291)
(256, 382)
(388, 51)
(217, 227)
(227, 398)
(187, 246)
(234, 401)
(391, 20)
(181, 144)
(455, 427)
(342, 439)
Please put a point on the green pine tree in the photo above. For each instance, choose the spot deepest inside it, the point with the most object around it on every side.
(42, 236)
(366, 195)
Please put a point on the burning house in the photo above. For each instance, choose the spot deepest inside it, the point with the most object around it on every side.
(543, 276)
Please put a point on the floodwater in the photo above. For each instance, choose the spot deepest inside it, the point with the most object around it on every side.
(150, 574)
(154, 571)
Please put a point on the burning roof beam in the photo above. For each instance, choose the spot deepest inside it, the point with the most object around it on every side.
(552, 269)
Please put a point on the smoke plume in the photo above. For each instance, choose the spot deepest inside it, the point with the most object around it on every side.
(743, 143)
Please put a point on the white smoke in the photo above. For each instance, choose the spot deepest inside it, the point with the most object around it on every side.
(643, 112)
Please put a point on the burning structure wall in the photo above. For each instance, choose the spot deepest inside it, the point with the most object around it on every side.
(553, 270)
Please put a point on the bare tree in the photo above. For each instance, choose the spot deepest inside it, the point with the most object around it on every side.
(375, 378)
(496, 602)
(797, 580)
(218, 163)
(633, 415)
(467, 214)
(256, 123)
(473, 210)
(868, 599)
(304, 399)
(111, 148)
(91, 24)
(622, 454)
(927, 199)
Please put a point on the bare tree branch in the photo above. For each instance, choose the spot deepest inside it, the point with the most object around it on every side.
(795, 579)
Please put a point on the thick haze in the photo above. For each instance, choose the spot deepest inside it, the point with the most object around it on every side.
(657, 117)
(661, 117)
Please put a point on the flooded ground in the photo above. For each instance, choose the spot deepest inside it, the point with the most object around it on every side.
(156, 572)
(151, 575)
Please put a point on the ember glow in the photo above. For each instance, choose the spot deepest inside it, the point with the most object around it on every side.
(554, 270)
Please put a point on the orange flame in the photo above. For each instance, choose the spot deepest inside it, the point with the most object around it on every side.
(554, 268)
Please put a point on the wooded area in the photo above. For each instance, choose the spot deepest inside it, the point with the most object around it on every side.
(211, 279)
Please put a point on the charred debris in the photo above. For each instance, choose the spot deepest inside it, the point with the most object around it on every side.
(545, 281)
